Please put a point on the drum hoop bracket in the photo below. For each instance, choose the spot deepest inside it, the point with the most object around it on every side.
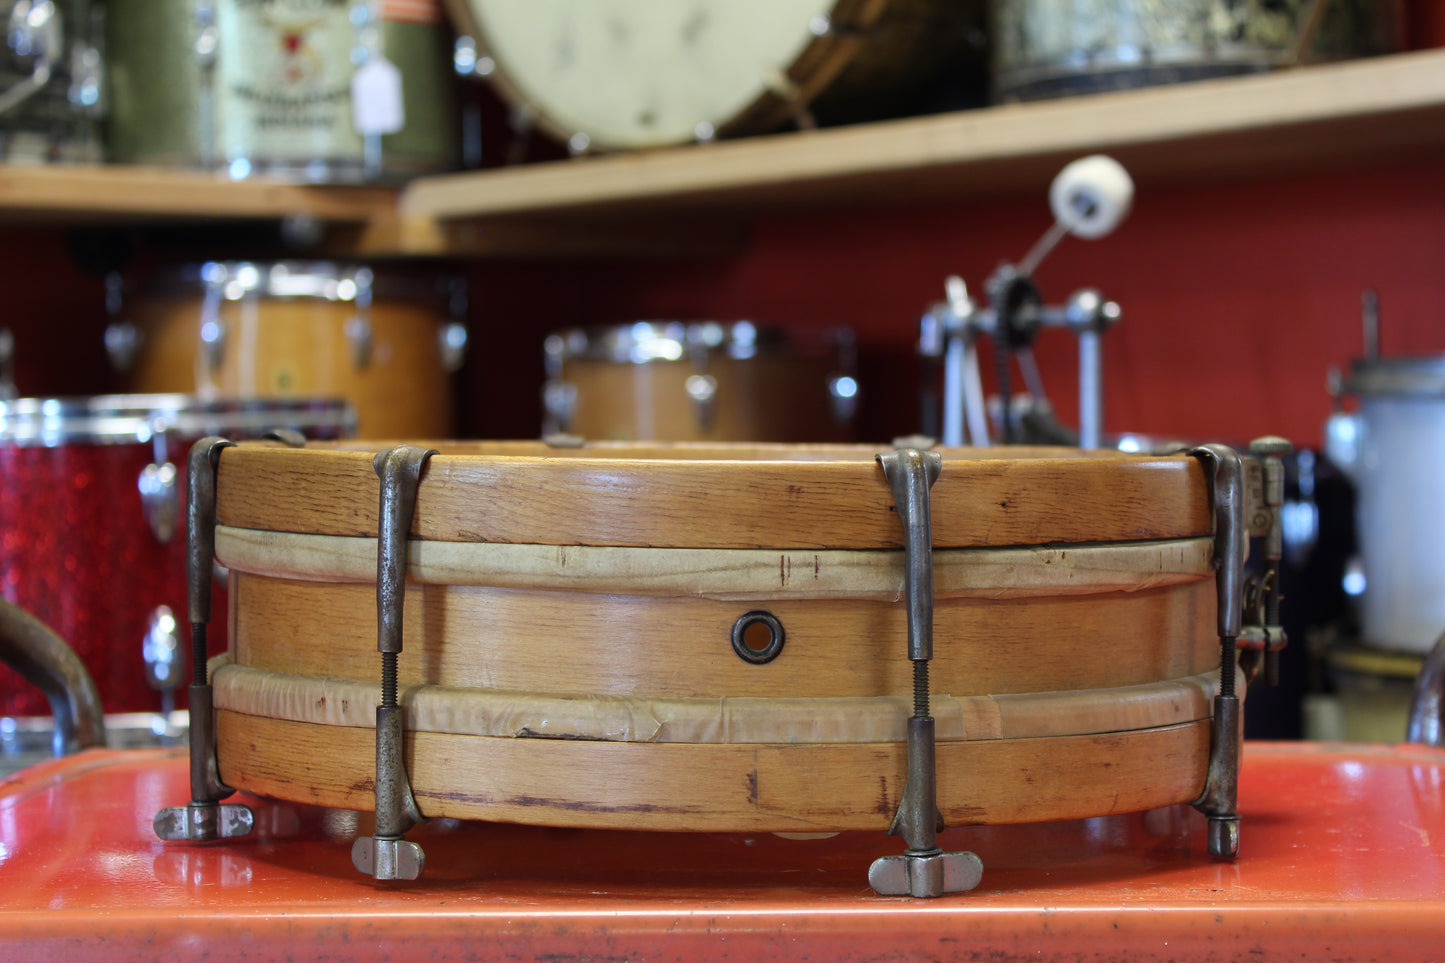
(385, 854)
(1219, 801)
(204, 818)
(923, 869)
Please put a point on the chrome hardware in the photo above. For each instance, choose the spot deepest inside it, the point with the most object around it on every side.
(468, 61)
(161, 654)
(358, 337)
(35, 30)
(1427, 703)
(1262, 637)
(1219, 801)
(385, 854)
(213, 329)
(452, 339)
(204, 45)
(205, 817)
(559, 400)
(86, 80)
(923, 869)
(122, 339)
(122, 343)
(157, 484)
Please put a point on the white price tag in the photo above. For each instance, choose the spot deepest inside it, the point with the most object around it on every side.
(376, 98)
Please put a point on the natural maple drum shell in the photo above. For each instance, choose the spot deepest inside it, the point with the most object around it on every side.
(627, 645)
(612, 645)
(714, 496)
(298, 347)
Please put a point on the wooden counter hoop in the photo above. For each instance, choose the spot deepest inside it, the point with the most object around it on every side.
(700, 496)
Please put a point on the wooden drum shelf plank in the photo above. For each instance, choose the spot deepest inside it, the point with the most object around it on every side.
(723, 788)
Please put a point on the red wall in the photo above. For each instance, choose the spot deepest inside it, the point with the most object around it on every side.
(1237, 297)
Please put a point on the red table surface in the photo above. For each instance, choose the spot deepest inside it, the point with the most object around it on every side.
(1343, 857)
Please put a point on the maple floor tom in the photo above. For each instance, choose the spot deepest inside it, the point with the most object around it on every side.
(266, 86)
(711, 637)
(92, 537)
(289, 329)
(698, 381)
(1052, 48)
(50, 81)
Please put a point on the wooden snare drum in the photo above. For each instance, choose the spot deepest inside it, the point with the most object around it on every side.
(698, 381)
(295, 328)
(711, 637)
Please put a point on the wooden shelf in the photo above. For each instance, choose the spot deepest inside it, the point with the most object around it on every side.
(1306, 119)
(699, 199)
(141, 194)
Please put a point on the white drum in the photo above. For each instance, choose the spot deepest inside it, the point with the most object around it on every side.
(1394, 448)
(640, 73)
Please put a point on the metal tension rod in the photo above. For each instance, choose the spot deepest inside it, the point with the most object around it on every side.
(1219, 800)
(204, 818)
(923, 869)
(385, 854)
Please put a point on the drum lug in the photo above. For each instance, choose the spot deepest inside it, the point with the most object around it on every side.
(122, 338)
(385, 855)
(924, 869)
(1221, 788)
(203, 818)
(157, 485)
(213, 342)
(358, 336)
(452, 339)
(559, 401)
(122, 343)
(702, 389)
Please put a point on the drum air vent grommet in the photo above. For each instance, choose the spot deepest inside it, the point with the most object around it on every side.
(758, 637)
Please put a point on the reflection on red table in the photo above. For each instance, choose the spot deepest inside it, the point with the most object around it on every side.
(1343, 857)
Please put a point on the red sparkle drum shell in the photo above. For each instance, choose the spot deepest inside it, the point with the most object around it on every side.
(572, 621)
(76, 547)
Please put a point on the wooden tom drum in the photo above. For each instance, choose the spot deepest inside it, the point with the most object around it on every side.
(698, 381)
(285, 329)
(711, 637)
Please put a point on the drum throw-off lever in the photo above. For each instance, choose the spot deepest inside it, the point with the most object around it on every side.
(205, 817)
(1263, 637)
(923, 869)
(1219, 801)
(385, 854)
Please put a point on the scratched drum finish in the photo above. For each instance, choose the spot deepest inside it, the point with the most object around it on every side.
(82, 550)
